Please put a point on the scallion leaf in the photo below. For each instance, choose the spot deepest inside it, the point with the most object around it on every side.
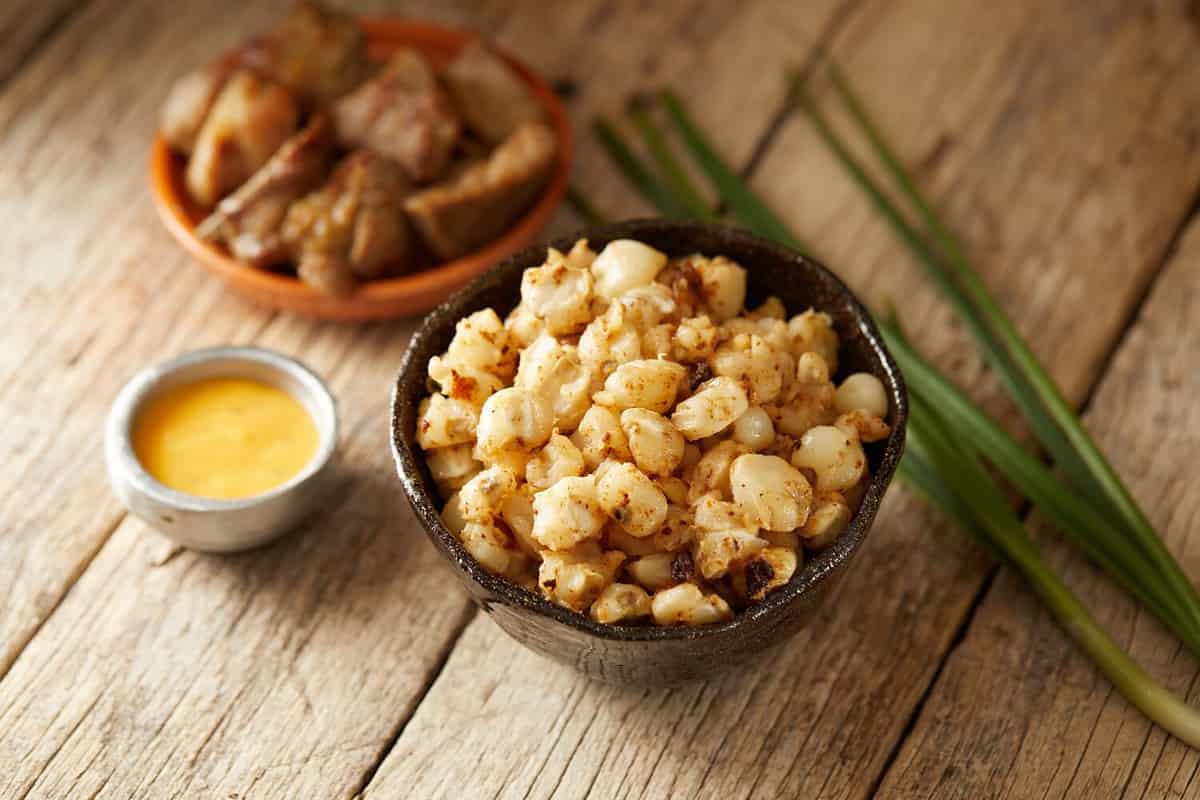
(742, 202)
(646, 183)
(673, 173)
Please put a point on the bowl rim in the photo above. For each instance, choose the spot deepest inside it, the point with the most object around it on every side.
(172, 207)
(814, 570)
(122, 418)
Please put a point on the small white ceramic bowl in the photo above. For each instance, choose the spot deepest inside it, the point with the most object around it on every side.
(201, 523)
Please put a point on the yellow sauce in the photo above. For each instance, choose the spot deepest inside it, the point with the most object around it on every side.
(224, 438)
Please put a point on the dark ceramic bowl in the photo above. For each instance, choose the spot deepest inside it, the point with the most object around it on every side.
(654, 655)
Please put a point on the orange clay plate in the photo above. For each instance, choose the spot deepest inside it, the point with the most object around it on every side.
(409, 294)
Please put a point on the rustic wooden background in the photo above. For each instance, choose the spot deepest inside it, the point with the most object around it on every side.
(1062, 139)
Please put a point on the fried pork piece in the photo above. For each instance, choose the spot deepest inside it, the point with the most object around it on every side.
(353, 228)
(491, 97)
(403, 113)
(249, 120)
(188, 104)
(316, 53)
(460, 215)
(249, 222)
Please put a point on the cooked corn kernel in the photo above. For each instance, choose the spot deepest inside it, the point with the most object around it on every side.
(632, 499)
(567, 513)
(558, 459)
(686, 604)
(599, 437)
(836, 457)
(621, 602)
(714, 407)
(649, 383)
(655, 444)
(771, 493)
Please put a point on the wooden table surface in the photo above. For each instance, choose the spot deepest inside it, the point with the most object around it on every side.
(1062, 140)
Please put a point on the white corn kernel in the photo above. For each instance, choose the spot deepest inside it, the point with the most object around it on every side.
(723, 284)
(751, 362)
(858, 424)
(836, 458)
(812, 332)
(695, 339)
(575, 578)
(862, 391)
(555, 373)
(769, 570)
(599, 437)
(558, 295)
(464, 381)
(517, 512)
(558, 459)
(481, 341)
(488, 545)
(653, 571)
(610, 339)
(452, 514)
(754, 429)
(451, 467)
(713, 408)
(623, 265)
(442, 422)
(648, 383)
(686, 604)
(711, 473)
(676, 489)
(771, 493)
(831, 514)
(620, 602)
(655, 444)
(481, 497)
(717, 552)
(512, 419)
(567, 513)
(632, 499)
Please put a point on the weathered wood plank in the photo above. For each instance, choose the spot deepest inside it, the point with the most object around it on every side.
(1018, 709)
(283, 672)
(83, 262)
(26, 26)
(1020, 114)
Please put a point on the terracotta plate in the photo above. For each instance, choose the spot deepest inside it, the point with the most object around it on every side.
(391, 297)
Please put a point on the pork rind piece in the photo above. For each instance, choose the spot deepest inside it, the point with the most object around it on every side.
(352, 228)
(316, 53)
(459, 216)
(250, 221)
(249, 120)
(492, 98)
(188, 103)
(402, 113)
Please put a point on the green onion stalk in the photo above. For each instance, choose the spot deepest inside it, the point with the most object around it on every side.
(949, 437)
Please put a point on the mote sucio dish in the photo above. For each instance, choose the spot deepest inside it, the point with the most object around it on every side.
(634, 444)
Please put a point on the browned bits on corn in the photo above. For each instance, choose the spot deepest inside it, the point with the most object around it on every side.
(758, 574)
(683, 568)
(634, 445)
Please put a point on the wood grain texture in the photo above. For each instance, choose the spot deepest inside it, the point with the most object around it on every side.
(280, 673)
(1019, 711)
(993, 103)
(25, 27)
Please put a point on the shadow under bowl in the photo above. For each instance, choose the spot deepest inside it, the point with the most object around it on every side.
(386, 298)
(647, 655)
